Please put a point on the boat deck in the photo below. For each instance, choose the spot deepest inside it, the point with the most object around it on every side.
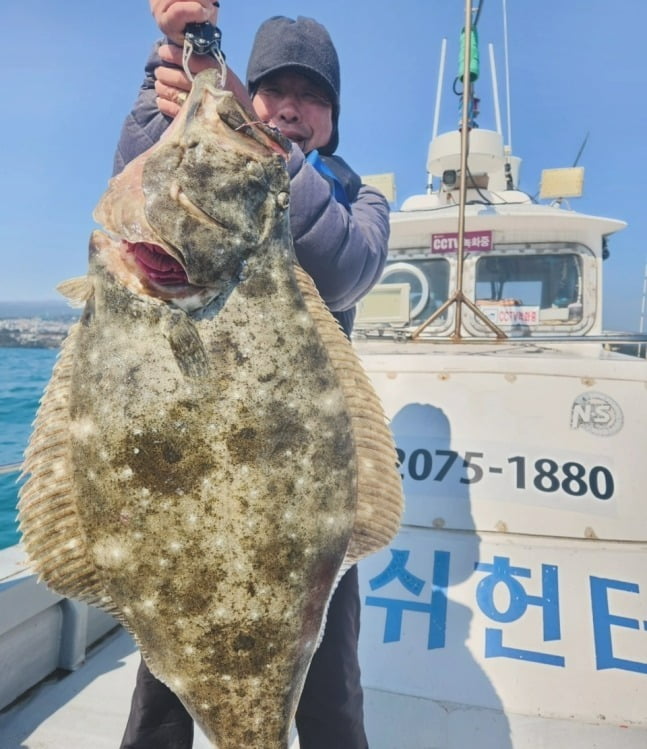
(81, 709)
(82, 706)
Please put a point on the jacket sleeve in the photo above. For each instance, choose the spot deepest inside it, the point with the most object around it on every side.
(344, 251)
(145, 124)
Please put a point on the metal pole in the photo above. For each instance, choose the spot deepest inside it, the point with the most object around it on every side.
(441, 75)
(462, 188)
(10, 468)
(641, 327)
(458, 298)
(507, 74)
(495, 90)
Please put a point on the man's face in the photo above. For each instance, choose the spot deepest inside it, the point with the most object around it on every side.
(296, 106)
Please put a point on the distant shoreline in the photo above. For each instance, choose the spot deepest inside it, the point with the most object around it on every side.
(35, 324)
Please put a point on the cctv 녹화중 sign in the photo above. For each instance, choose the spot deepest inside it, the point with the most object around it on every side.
(473, 241)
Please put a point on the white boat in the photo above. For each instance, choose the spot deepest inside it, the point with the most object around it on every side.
(510, 611)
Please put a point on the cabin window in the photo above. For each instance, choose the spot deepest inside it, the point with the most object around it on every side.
(410, 290)
(428, 281)
(525, 289)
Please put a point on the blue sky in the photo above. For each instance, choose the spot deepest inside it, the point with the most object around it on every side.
(71, 71)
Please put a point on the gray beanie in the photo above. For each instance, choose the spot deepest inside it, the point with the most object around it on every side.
(302, 45)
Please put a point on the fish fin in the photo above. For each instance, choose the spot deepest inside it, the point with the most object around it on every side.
(379, 486)
(47, 512)
(345, 566)
(186, 345)
(77, 290)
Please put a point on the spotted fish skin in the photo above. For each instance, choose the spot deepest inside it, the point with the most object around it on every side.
(209, 457)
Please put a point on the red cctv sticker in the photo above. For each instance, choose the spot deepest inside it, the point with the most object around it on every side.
(473, 241)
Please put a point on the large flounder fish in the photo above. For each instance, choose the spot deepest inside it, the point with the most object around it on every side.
(209, 456)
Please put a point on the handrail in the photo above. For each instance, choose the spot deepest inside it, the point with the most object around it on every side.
(10, 468)
(402, 334)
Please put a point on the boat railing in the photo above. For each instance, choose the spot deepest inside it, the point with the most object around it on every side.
(637, 340)
(10, 468)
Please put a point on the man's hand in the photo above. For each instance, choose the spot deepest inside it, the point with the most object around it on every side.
(172, 84)
(172, 16)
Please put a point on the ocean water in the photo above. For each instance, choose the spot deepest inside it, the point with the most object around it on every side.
(24, 373)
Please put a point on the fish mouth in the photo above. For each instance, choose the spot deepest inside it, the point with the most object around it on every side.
(267, 137)
(157, 265)
(159, 272)
(255, 134)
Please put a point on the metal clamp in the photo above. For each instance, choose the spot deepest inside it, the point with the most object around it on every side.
(204, 39)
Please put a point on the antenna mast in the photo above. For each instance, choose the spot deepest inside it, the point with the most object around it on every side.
(441, 75)
(641, 329)
(495, 91)
(467, 120)
(507, 74)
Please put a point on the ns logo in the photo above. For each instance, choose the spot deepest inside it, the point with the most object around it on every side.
(597, 414)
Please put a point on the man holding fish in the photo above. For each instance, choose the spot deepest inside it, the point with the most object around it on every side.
(340, 230)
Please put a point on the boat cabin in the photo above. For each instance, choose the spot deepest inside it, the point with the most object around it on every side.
(532, 268)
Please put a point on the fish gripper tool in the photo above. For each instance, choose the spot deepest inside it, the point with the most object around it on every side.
(204, 39)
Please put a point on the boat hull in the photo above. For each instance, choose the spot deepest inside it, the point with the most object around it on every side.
(510, 609)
